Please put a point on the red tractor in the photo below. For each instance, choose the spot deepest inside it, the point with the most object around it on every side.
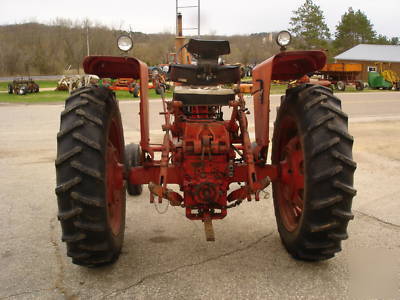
(311, 168)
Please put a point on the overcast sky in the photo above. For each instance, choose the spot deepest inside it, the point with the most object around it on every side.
(217, 16)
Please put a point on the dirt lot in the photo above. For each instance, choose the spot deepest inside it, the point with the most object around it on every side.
(380, 138)
(166, 256)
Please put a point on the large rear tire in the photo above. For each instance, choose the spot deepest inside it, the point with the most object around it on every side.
(89, 167)
(136, 91)
(313, 194)
(133, 155)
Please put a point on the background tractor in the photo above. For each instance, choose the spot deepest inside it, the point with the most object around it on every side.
(21, 86)
(206, 151)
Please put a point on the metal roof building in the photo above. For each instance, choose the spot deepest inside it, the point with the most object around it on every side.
(378, 53)
(373, 58)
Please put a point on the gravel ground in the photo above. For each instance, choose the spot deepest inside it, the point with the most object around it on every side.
(166, 256)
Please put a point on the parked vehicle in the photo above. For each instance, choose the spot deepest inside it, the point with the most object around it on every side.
(21, 86)
(343, 74)
(311, 167)
(386, 79)
(377, 81)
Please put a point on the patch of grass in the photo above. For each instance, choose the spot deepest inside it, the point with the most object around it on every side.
(352, 89)
(278, 89)
(41, 97)
(41, 83)
(281, 88)
(47, 83)
(60, 96)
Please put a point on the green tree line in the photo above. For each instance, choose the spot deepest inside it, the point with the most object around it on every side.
(310, 30)
(34, 49)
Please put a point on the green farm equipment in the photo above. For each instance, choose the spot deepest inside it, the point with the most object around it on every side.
(377, 81)
(386, 78)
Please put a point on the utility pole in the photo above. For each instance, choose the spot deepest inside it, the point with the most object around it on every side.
(87, 38)
(178, 8)
(198, 18)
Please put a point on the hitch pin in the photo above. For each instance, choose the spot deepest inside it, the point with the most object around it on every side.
(209, 229)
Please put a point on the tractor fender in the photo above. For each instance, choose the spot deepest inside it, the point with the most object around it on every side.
(125, 67)
(113, 66)
(285, 66)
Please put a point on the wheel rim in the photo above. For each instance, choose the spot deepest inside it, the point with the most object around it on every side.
(291, 170)
(340, 85)
(115, 182)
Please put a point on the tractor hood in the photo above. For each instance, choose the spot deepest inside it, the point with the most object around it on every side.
(294, 64)
(114, 66)
(125, 67)
(284, 66)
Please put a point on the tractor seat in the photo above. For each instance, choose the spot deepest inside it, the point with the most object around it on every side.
(199, 75)
(204, 95)
(207, 71)
(205, 49)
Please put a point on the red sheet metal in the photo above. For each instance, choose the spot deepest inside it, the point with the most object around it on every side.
(283, 66)
(112, 66)
(294, 64)
(125, 67)
(144, 107)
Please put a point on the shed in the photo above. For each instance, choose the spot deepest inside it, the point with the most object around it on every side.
(372, 58)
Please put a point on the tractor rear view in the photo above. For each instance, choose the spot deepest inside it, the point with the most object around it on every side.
(206, 153)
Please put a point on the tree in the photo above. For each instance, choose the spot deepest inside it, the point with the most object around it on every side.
(354, 28)
(309, 27)
(395, 41)
(384, 40)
